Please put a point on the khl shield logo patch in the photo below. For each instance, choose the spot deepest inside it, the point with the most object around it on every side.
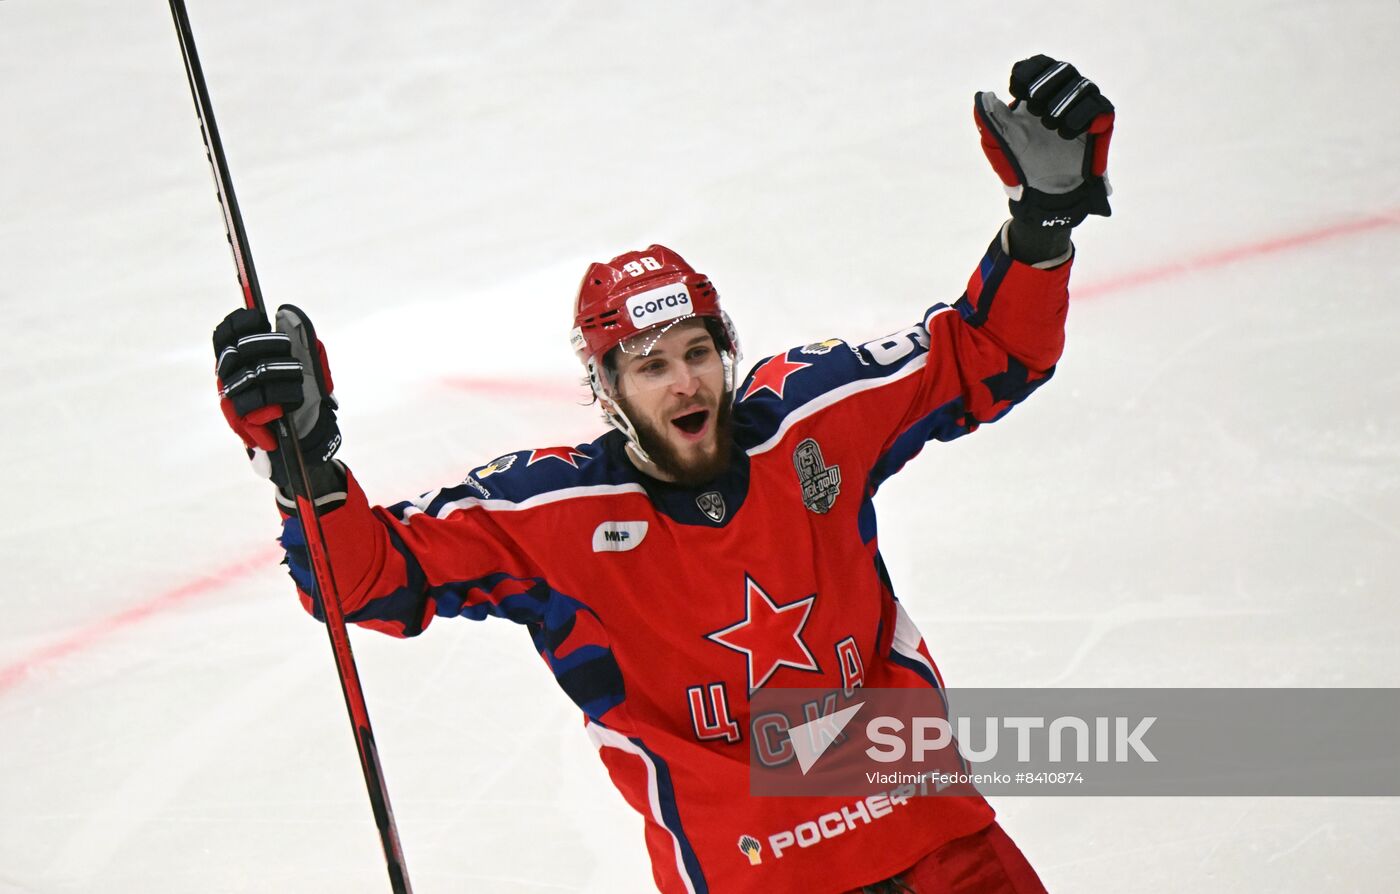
(712, 504)
(820, 483)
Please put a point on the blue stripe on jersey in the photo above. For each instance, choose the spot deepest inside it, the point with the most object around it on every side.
(991, 270)
(298, 563)
(511, 477)
(588, 674)
(945, 423)
(865, 518)
(917, 667)
(591, 679)
(404, 604)
(964, 307)
(670, 815)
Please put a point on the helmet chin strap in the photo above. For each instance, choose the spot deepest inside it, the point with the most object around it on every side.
(730, 359)
(617, 417)
(614, 413)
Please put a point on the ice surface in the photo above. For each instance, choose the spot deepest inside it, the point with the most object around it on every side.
(1208, 494)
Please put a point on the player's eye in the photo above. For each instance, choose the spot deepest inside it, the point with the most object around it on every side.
(700, 353)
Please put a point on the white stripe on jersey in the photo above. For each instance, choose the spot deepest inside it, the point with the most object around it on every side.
(907, 639)
(553, 496)
(608, 738)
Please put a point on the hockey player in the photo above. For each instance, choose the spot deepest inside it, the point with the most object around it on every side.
(721, 537)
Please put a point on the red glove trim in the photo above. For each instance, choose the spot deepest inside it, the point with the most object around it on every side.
(992, 147)
(253, 427)
(1100, 132)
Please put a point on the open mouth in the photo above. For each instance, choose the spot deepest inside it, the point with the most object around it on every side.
(692, 423)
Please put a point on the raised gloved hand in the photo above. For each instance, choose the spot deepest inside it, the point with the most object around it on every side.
(1050, 146)
(266, 375)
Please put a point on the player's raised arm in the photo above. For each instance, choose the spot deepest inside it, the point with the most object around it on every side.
(969, 362)
(1049, 147)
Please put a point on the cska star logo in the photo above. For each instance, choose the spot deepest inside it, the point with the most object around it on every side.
(769, 636)
(773, 374)
(563, 454)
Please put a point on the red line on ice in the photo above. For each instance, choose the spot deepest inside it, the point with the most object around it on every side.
(85, 638)
(1234, 254)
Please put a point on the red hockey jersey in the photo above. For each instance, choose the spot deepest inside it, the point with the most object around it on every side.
(659, 609)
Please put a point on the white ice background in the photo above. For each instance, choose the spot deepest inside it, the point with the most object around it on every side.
(1207, 494)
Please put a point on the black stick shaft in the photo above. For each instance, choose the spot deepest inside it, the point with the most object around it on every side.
(290, 449)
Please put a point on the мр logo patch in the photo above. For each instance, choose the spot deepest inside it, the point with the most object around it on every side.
(751, 848)
(618, 537)
(821, 484)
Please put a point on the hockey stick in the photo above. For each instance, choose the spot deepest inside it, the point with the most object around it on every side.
(290, 451)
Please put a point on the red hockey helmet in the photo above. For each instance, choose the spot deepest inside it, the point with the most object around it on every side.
(638, 291)
(652, 289)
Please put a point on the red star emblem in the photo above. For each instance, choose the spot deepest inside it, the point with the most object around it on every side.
(773, 375)
(770, 636)
(563, 454)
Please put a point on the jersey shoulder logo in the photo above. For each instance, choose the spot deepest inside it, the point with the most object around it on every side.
(821, 347)
(821, 484)
(499, 464)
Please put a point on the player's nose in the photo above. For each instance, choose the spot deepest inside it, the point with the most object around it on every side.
(685, 383)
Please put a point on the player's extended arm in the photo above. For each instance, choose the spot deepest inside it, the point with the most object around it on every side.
(266, 374)
(393, 575)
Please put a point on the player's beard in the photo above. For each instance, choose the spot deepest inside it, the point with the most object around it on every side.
(695, 470)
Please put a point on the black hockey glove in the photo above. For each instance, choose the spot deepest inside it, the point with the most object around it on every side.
(1050, 146)
(265, 376)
